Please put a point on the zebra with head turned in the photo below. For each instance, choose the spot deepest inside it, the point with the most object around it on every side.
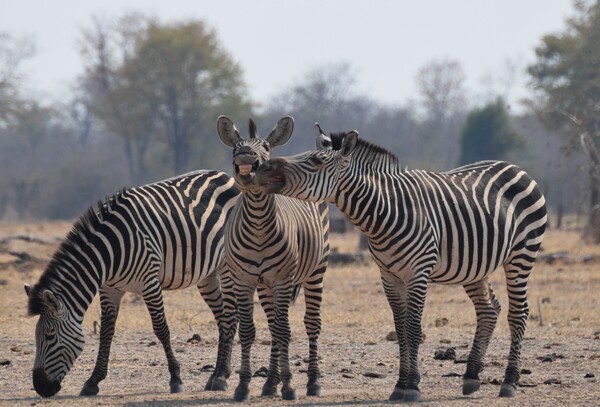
(451, 228)
(162, 236)
(274, 244)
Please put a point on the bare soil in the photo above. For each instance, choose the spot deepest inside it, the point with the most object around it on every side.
(561, 351)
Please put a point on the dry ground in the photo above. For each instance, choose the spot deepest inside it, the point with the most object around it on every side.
(356, 320)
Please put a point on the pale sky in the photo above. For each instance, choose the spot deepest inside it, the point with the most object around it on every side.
(278, 41)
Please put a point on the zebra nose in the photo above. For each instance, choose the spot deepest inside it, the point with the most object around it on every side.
(42, 385)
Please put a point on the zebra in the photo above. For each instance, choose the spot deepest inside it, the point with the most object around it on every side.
(167, 235)
(274, 245)
(451, 228)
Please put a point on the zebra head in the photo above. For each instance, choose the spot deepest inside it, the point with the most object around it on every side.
(248, 154)
(58, 340)
(313, 175)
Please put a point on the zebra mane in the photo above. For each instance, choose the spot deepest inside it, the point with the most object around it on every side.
(80, 232)
(376, 153)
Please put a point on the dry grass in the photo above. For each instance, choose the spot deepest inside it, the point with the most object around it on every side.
(356, 319)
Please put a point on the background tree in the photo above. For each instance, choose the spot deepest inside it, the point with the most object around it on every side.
(442, 99)
(567, 78)
(13, 52)
(149, 82)
(487, 134)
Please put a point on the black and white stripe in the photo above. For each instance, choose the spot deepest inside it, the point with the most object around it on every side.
(451, 228)
(273, 244)
(162, 236)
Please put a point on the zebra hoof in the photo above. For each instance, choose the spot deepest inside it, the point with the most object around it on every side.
(411, 395)
(209, 383)
(470, 386)
(219, 384)
(508, 390)
(269, 391)
(241, 393)
(313, 390)
(288, 394)
(176, 387)
(89, 390)
(397, 394)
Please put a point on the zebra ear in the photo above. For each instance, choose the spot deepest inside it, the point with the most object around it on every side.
(228, 133)
(349, 142)
(323, 140)
(27, 288)
(51, 302)
(282, 132)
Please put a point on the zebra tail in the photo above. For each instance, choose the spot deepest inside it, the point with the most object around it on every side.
(295, 293)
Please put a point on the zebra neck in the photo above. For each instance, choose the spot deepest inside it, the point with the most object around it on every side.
(367, 199)
(258, 211)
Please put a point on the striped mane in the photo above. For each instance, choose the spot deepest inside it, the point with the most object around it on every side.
(80, 233)
(376, 155)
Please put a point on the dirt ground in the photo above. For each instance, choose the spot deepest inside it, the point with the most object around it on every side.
(561, 350)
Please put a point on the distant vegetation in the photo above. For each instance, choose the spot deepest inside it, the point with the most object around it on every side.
(146, 107)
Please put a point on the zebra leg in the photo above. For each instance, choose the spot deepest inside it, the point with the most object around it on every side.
(245, 301)
(210, 290)
(152, 295)
(487, 309)
(416, 291)
(395, 291)
(265, 296)
(283, 334)
(518, 311)
(110, 300)
(313, 294)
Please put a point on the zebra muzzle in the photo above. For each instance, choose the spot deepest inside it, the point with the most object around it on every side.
(43, 385)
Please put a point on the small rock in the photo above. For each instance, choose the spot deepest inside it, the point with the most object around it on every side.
(207, 368)
(298, 363)
(380, 364)
(370, 343)
(546, 300)
(440, 322)
(261, 372)
(152, 343)
(391, 336)
(345, 370)
(495, 382)
(348, 376)
(196, 338)
(16, 348)
(550, 358)
(452, 374)
(374, 375)
(525, 371)
(445, 341)
(526, 383)
(4, 362)
(589, 375)
(552, 381)
(445, 354)
(265, 342)
(3, 282)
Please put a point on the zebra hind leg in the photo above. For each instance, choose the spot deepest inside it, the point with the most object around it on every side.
(152, 295)
(265, 296)
(516, 281)
(110, 300)
(211, 291)
(487, 309)
(313, 294)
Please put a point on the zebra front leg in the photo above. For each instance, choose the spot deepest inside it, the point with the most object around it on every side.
(313, 294)
(153, 298)
(487, 309)
(265, 296)
(283, 334)
(211, 291)
(395, 291)
(247, 332)
(518, 311)
(110, 300)
(416, 291)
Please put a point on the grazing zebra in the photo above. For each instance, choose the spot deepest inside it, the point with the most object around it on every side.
(162, 236)
(274, 244)
(451, 228)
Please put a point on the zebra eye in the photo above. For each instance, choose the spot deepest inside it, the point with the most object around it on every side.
(49, 337)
